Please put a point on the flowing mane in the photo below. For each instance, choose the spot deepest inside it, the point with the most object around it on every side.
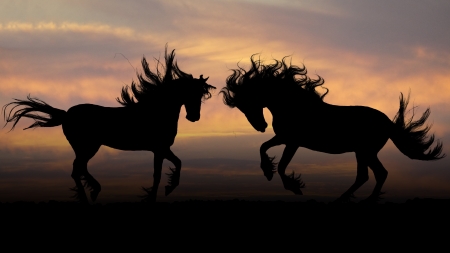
(151, 85)
(276, 74)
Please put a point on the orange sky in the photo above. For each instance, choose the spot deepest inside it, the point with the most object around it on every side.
(69, 53)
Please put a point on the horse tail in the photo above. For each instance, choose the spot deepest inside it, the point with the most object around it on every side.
(411, 138)
(31, 106)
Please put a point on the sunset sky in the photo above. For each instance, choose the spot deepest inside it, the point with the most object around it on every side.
(72, 52)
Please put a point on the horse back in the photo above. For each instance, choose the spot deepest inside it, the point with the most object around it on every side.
(339, 129)
(122, 128)
(352, 128)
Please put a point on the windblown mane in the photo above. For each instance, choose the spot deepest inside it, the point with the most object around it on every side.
(151, 85)
(279, 73)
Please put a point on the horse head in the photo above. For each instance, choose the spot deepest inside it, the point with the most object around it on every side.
(251, 103)
(197, 91)
(254, 115)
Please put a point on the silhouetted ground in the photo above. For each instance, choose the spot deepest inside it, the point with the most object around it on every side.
(233, 225)
(198, 211)
(197, 224)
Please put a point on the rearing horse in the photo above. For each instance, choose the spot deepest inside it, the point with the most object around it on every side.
(302, 119)
(147, 121)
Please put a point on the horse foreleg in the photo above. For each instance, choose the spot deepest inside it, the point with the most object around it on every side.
(267, 163)
(93, 185)
(174, 175)
(157, 168)
(290, 182)
(362, 175)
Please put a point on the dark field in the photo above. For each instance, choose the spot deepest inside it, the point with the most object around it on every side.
(225, 211)
(199, 224)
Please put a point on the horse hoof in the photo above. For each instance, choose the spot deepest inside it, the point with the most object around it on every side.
(149, 196)
(268, 166)
(297, 192)
(94, 195)
(372, 199)
(269, 176)
(345, 198)
(368, 202)
(169, 190)
(293, 183)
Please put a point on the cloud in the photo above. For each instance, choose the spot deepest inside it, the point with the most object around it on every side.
(123, 32)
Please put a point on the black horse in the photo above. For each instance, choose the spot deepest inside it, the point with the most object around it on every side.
(302, 119)
(148, 121)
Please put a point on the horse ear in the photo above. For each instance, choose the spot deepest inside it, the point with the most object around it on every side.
(201, 78)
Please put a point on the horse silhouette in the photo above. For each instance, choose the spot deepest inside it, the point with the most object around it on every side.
(302, 119)
(147, 121)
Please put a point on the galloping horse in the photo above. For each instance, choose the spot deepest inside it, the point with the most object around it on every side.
(148, 121)
(302, 119)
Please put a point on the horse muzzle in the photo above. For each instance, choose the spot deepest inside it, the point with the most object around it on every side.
(193, 118)
(261, 127)
(262, 130)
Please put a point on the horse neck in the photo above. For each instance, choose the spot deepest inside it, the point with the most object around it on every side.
(277, 100)
(284, 102)
(166, 108)
(172, 111)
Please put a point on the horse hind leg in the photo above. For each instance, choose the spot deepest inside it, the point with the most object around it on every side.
(380, 174)
(362, 175)
(80, 173)
(77, 175)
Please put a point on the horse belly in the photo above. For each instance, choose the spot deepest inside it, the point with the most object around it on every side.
(137, 138)
(327, 144)
(127, 142)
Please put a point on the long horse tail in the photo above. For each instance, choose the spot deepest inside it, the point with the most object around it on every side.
(410, 137)
(29, 109)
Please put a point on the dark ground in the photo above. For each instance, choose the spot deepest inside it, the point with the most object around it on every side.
(196, 224)
(224, 211)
